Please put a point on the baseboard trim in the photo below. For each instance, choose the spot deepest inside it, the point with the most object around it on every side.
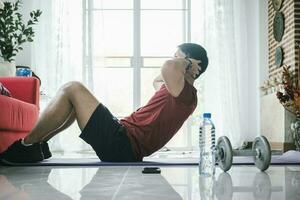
(282, 146)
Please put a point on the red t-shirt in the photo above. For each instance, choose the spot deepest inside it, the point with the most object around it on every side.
(150, 127)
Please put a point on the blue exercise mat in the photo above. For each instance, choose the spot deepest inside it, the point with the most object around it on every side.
(288, 158)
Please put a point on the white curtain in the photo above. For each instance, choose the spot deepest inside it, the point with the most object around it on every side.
(224, 89)
(57, 57)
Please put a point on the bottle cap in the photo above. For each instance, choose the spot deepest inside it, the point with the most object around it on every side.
(207, 115)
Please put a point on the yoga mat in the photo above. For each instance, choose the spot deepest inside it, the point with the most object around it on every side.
(288, 158)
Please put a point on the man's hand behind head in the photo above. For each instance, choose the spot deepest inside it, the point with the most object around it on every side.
(195, 67)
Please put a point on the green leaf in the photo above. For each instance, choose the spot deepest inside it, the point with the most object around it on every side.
(13, 31)
(30, 22)
(39, 13)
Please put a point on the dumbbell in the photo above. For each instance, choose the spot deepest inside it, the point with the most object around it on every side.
(260, 151)
(261, 187)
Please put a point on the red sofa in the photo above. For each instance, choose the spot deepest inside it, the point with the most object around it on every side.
(19, 113)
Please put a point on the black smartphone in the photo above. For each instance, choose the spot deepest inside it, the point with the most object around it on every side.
(151, 170)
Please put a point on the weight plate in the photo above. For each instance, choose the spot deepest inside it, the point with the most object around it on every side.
(225, 161)
(278, 26)
(278, 56)
(262, 186)
(263, 160)
(224, 187)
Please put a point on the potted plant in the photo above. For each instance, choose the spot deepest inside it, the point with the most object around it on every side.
(289, 97)
(13, 33)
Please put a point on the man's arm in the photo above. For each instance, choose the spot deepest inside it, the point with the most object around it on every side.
(173, 72)
(157, 83)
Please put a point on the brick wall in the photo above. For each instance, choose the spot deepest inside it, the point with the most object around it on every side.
(275, 120)
(291, 12)
(297, 29)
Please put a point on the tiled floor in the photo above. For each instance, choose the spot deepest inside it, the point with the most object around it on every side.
(242, 182)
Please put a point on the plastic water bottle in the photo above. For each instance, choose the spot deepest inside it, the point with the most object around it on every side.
(207, 188)
(207, 146)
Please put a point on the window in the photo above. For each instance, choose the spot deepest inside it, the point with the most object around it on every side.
(126, 42)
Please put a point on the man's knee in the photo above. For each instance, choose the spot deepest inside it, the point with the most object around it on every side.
(72, 86)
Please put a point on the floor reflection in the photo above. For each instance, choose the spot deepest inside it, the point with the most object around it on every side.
(131, 184)
(107, 183)
(242, 182)
(292, 183)
(18, 183)
(261, 188)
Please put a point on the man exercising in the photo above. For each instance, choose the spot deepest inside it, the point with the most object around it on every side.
(127, 140)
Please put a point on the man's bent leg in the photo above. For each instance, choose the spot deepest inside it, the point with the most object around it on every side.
(44, 145)
(84, 103)
(73, 95)
(70, 120)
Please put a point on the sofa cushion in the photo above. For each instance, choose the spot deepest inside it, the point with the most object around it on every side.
(17, 115)
(4, 90)
(23, 88)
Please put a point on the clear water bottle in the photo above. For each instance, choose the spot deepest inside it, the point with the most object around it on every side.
(207, 188)
(207, 146)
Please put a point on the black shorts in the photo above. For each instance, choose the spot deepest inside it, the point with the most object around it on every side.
(108, 137)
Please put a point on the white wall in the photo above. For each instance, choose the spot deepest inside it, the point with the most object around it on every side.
(263, 41)
(263, 44)
(252, 22)
(257, 22)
